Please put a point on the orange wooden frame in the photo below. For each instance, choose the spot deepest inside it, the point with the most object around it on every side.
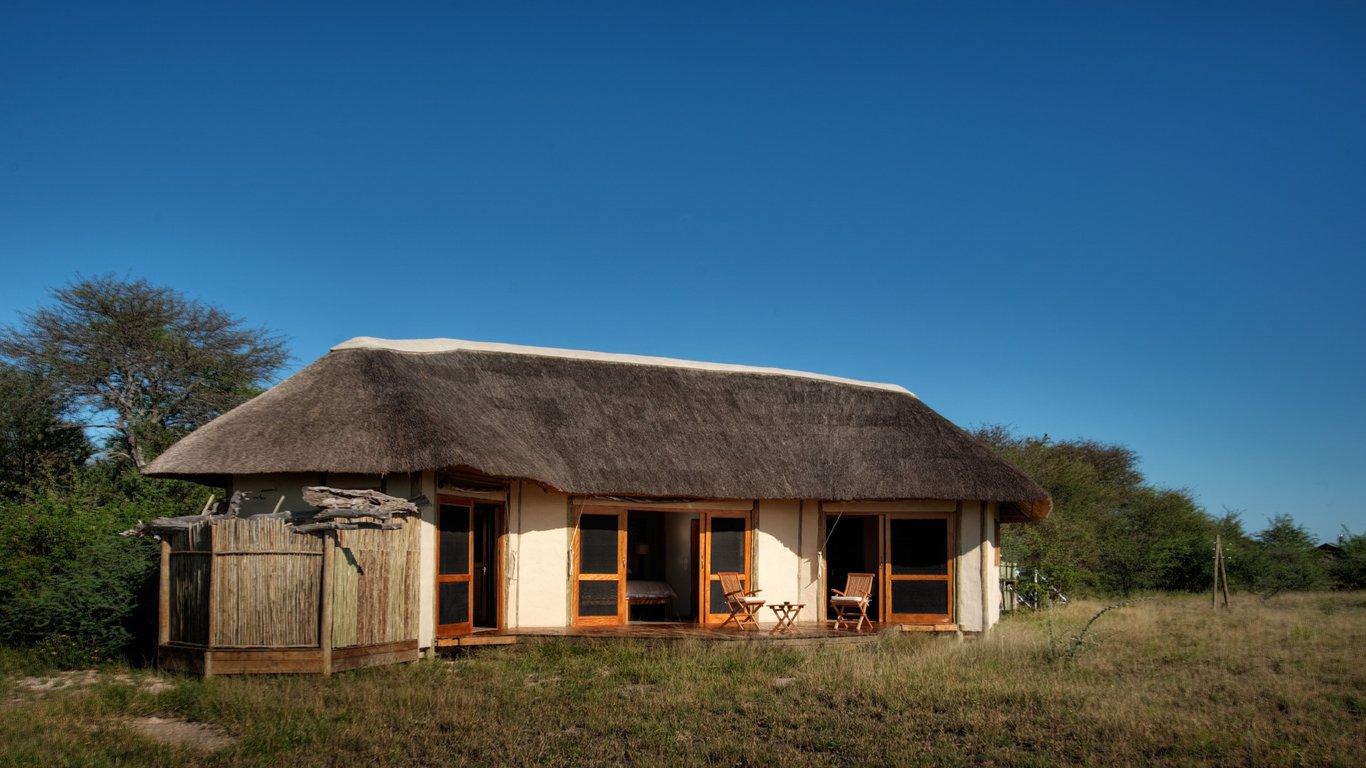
(619, 577)
(497, 529)
(705, 574)
(885, 613)
(704, 563)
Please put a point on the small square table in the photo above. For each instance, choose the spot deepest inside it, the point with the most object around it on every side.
(787, 614)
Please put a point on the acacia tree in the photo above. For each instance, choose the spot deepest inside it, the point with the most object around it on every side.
(142, 361)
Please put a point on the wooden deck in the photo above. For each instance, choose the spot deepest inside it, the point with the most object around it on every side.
(665, 632)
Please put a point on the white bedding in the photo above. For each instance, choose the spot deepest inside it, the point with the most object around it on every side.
(649, 591)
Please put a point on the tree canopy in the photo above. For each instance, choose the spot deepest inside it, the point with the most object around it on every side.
(143, 361)
(34, 438)
(1111, 531)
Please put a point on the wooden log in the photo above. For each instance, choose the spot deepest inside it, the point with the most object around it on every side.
(352, 514)
(212, 619)
(164, 597)
(347, 498)
(339, 526)
(325, 604)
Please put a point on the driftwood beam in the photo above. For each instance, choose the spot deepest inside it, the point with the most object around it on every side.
(351, 514)
(323, 497)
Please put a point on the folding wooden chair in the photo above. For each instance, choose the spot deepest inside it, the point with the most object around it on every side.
(852, 601)
(742, 602)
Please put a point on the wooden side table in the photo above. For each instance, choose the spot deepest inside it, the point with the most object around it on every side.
(787, 614)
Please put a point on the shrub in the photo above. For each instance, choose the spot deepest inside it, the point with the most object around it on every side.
(1348, 566)
(69, 584)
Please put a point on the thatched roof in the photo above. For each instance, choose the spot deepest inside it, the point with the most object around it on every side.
(589, 423)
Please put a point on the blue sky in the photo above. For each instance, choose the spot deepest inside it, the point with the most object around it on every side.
(1139, 223)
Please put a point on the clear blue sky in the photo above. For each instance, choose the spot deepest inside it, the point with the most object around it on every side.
(1135, 222)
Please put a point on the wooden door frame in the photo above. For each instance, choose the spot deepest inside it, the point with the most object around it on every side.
(885, 577)
(622, 614)
(704, 616)
(466, 627)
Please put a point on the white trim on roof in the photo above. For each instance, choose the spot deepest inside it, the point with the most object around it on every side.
(429, 346)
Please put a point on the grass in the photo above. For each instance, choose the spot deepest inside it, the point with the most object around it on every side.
(1165, 681)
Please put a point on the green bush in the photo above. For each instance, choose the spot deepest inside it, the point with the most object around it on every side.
(69, 584)
(1347, 567)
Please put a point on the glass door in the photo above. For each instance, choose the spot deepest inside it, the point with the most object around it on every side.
(725, 546)
(599, 594)
(918, 569)
(454, 573)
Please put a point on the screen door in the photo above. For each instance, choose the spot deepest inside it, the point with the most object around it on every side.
(600, 567)
(918, 569)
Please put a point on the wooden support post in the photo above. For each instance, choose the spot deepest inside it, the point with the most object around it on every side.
(164, 596)
(325, 610)
(214, 586)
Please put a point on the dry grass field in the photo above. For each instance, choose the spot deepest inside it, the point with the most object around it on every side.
(1166, 681)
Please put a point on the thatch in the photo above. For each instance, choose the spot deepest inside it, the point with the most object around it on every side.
(602, 427)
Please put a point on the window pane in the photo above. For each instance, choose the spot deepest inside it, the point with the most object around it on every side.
(930, 597)
(455, 602)
(920, 546)
(727, 544)
(598, 544)
(597, 598)
(454, 539)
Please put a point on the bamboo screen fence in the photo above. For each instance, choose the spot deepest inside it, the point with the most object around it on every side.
(257, 583)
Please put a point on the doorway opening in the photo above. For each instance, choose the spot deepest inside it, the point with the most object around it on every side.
(655, 565)
(661, 554)
(487, 571)
(469, 570)
(852, 546)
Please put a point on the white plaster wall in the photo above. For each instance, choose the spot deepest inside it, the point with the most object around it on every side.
(542, 556)
(993, 572)
(776, 559)
(426, 615)
(968, 572)
(809, 568)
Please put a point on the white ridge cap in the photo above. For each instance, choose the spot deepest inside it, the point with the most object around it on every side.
(431, 346)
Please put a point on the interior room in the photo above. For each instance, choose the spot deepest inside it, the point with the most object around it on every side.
(661, 565)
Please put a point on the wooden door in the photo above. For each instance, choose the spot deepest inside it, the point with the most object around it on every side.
(917, 570)
(725, 546)
(487, 602)
(454, 568)
(599, 593)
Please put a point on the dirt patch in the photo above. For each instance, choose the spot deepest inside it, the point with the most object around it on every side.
(182, 733)
(60, 681)
(84, 678)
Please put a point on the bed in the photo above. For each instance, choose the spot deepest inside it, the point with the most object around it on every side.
(649, 592)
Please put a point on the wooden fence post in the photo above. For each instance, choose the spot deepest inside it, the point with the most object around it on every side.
(325, 610)
(212, 622)
(1220, 575)
(164, 597)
